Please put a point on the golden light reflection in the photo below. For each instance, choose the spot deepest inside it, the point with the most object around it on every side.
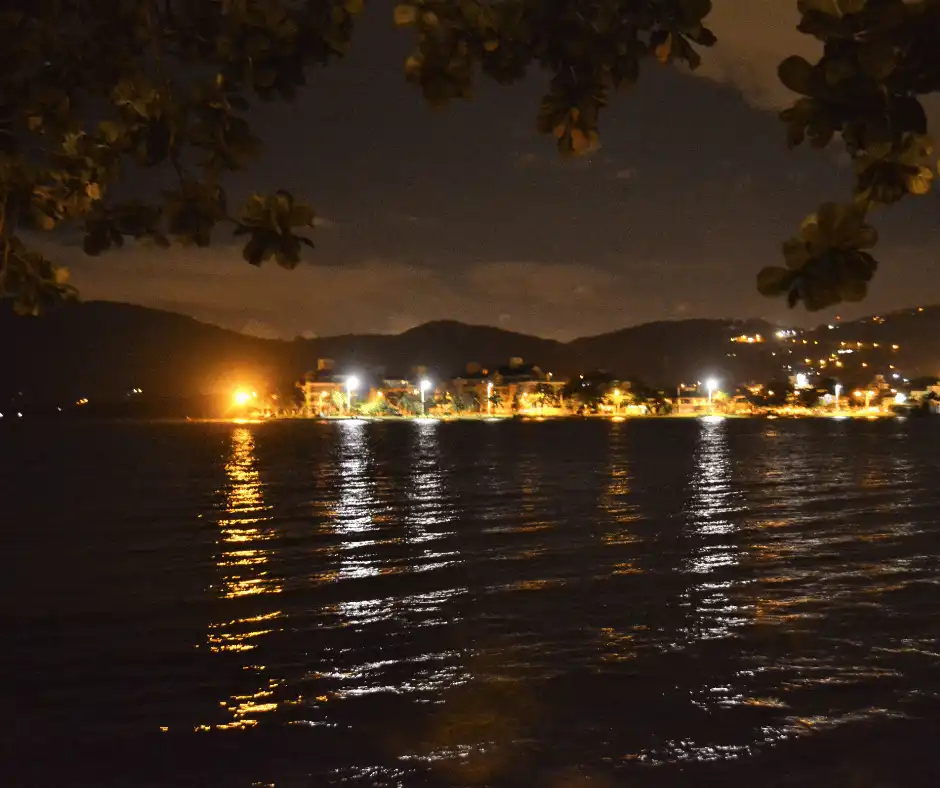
(616, 500)
(243, 564)
(242, 528)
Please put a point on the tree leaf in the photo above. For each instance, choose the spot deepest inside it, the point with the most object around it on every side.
(405, 14)
(773, 281)
(919, 182)
(796, 73)
(853, 290)
(663, 50)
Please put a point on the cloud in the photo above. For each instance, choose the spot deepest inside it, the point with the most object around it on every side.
(550, 285)
(375, 296)
(754, 36)
(524, 161)
(409, 219)
(257, 328)
(549, 160)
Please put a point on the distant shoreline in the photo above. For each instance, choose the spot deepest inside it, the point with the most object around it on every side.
(472, 418)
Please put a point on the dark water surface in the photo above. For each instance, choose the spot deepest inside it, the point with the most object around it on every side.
(558, 604)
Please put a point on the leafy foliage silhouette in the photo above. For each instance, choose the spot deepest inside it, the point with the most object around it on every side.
(92, 92)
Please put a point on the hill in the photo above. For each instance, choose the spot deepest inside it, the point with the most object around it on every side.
(102, 350)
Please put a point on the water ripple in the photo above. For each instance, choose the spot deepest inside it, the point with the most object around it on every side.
(501, 604)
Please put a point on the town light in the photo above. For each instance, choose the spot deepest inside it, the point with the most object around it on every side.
(241, 397)
(712, 385)
(424, 385)
(900, 399)
(352, 384)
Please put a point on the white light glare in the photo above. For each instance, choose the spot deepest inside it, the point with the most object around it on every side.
(352, 383)
(425, 384)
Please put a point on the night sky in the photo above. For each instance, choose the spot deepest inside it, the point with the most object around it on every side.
(469, 214)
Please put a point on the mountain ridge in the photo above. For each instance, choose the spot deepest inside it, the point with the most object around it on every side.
(104, 348)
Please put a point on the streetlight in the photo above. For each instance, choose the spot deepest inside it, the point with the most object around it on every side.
(838, 390)
(489, 398)
(712, 385)
(424, 386)
(352, 383)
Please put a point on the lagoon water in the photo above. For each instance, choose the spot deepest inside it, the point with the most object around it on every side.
(563, 603)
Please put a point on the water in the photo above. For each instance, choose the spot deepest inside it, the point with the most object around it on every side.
(647, 602)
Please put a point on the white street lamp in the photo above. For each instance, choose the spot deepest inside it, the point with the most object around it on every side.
(352, 383)
(712, 385)
(424, 386)
(838, 391)
(489, 398)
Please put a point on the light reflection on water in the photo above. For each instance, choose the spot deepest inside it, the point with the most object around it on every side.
(244, 531)
(488, 602)
(713, 525)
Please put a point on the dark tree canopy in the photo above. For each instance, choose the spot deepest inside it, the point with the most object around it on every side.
(92, 91)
